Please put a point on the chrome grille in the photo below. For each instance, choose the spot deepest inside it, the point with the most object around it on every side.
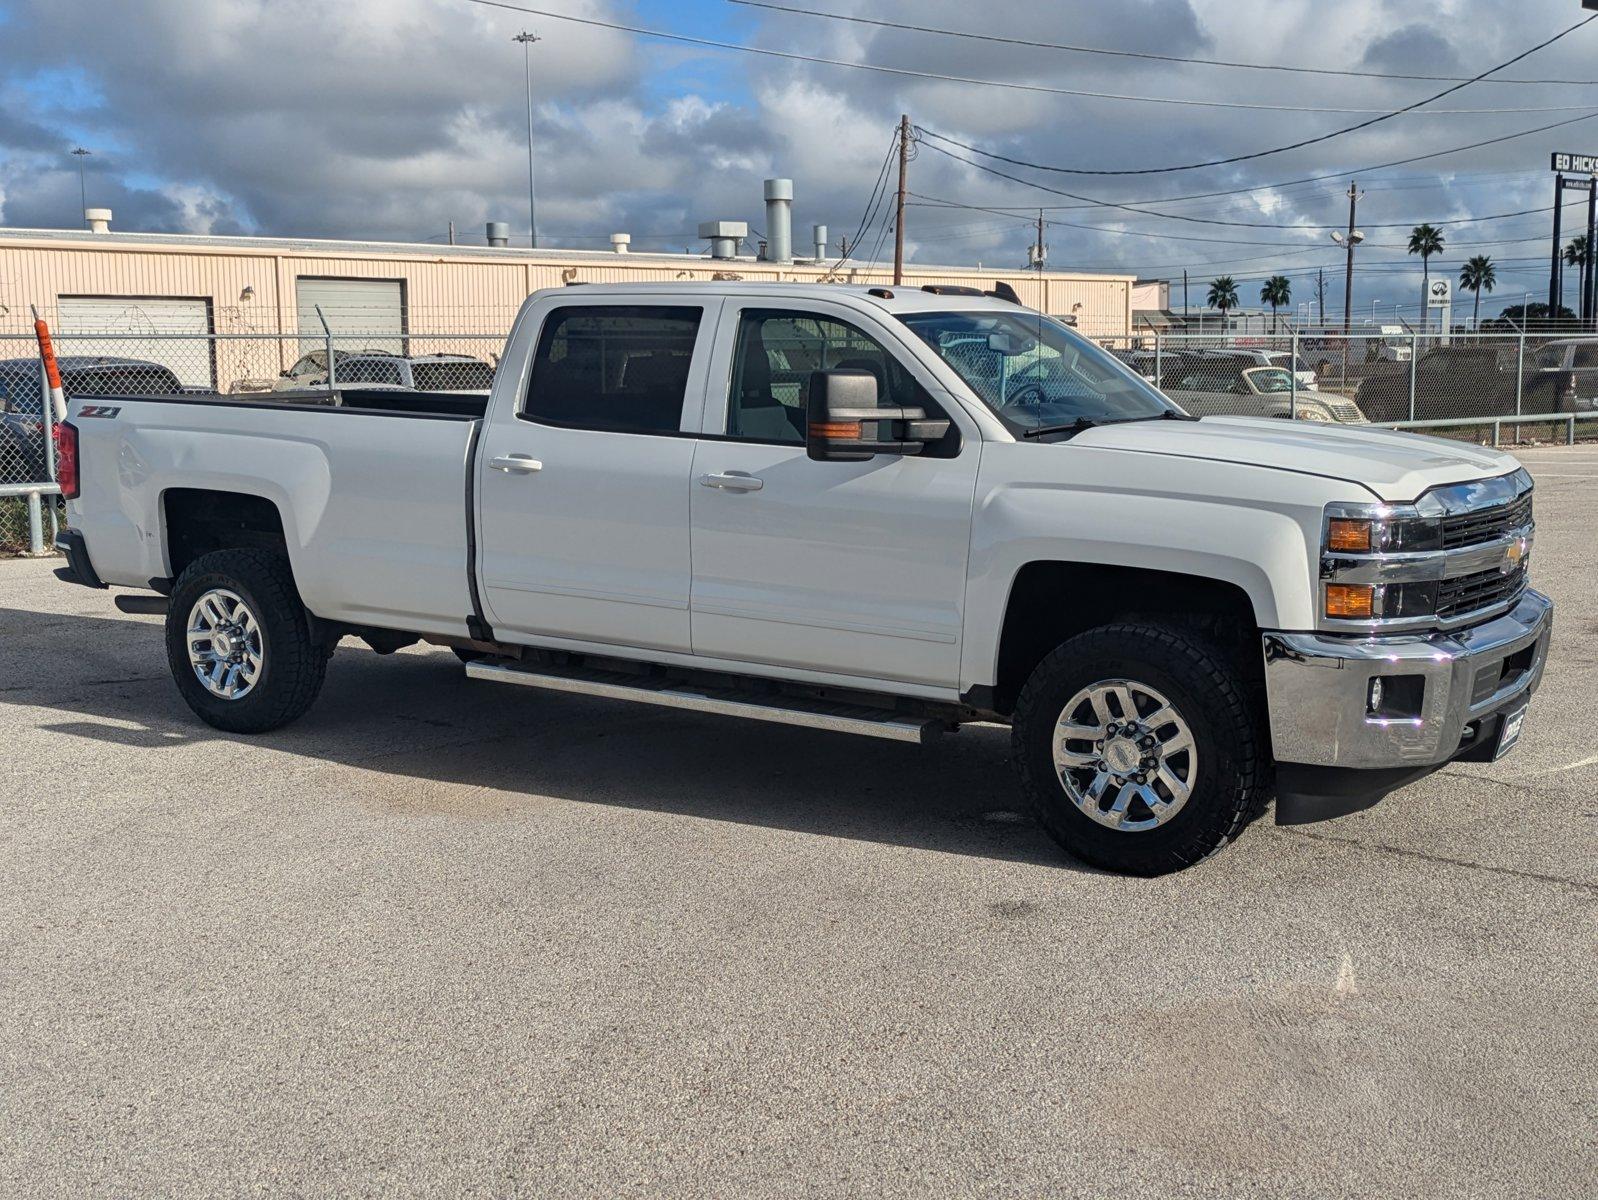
(1479, 525)
(1483, 589)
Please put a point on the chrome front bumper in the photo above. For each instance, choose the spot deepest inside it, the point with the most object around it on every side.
(1318, 686)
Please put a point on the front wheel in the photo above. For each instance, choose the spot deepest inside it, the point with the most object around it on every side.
(239, 644)
(1138, 748)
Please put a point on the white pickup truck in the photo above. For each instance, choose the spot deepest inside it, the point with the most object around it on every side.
(881, 511)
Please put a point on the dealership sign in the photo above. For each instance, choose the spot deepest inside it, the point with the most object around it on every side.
(1575, 164)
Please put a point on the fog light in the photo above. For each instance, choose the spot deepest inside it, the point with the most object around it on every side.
(1396, 697)
(1350, 601)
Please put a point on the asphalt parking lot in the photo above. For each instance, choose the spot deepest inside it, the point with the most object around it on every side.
(446, 937)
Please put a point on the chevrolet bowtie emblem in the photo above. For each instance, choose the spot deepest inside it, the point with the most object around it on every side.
(1514, 555)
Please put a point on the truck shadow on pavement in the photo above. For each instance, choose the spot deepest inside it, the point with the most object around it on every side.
(487, 751)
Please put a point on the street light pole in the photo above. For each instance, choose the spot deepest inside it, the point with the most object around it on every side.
(527, 40)
(83, 192)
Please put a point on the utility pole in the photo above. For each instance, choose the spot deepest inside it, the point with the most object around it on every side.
(1320, 291)
(1588, 309)
(1184, 294)
(83, 192)
(1348, 280)
(1038, 255)
(527, 40)
(1556, 285)
(898, 213)
(452, 233)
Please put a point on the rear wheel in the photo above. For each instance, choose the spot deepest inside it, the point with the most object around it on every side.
(1138, 748)
(239, 644)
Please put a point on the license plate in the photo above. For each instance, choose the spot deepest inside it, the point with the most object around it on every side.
(1509, 732)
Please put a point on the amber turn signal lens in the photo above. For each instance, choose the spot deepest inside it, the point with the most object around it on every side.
(1350, 601)
(1348, 537)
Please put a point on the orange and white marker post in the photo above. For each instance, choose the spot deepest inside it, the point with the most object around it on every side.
(52, 373)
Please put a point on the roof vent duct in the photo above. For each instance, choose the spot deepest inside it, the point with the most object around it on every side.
(818, 235)
(724, 236)
(98, 219)
(779, 220)
(620, 241)
(498, 233)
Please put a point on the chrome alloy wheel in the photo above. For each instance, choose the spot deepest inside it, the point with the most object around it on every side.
(1125, 755)
(225, 644)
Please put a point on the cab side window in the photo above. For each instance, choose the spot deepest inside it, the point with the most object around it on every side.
(776, 352)
(619, 368)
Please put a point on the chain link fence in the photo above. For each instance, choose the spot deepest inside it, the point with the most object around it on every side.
(155, 363)
(1488, 385)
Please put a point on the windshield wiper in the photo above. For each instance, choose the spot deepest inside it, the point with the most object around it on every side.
(1081, 423)
(1076, 426)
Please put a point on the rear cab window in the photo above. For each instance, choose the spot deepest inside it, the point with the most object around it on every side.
(613, 367)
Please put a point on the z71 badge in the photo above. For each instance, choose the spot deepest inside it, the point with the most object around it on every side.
(99, 410)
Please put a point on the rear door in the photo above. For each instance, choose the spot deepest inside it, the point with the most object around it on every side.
(583, 492)
(851, 568)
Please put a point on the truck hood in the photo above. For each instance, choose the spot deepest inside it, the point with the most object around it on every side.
(1396, 466)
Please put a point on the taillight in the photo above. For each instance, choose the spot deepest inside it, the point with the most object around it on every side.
(66, 459)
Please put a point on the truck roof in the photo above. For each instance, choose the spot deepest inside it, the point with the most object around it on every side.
(900, 299)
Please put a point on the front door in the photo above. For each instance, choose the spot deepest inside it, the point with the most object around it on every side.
(853, 568)
(583, 496)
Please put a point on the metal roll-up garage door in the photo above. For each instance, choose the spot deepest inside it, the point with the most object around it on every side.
(141, 328)
(365, 314)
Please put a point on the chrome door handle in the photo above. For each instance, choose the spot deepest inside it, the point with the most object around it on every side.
(732, 481)
(516, 464)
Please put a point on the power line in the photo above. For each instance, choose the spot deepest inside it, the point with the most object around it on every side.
(1008, 84)
(1171, 58)
(938, 202)
(1257, 154)
(1241, 191)
(871, 202)
(1170, 216)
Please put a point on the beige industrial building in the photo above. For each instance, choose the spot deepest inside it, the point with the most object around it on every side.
(261, 296)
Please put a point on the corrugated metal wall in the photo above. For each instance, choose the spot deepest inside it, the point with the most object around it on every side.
(252, 289)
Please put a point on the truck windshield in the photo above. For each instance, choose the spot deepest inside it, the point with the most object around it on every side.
(1034, 372)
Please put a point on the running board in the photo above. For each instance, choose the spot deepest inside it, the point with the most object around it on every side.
(727, 700)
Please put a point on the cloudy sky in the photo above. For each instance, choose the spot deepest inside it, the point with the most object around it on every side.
(390, 118)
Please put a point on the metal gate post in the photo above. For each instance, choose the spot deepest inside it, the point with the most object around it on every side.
(1520, 374)
(1292, 368)
(1414, 357)
(49, 445)
(35, 526)
(1159, 356)
(332, 368)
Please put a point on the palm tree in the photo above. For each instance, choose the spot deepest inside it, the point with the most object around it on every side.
(1425, 240)
(1479, 275)
(1576, 256)
(1223, 295)
(1276, 291)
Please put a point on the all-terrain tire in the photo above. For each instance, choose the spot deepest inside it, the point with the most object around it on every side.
(1199, 680)
(292, 663)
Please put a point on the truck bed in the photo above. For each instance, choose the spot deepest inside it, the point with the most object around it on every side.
(371, 487)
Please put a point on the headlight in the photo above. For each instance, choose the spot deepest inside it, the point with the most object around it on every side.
(1319, 415)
